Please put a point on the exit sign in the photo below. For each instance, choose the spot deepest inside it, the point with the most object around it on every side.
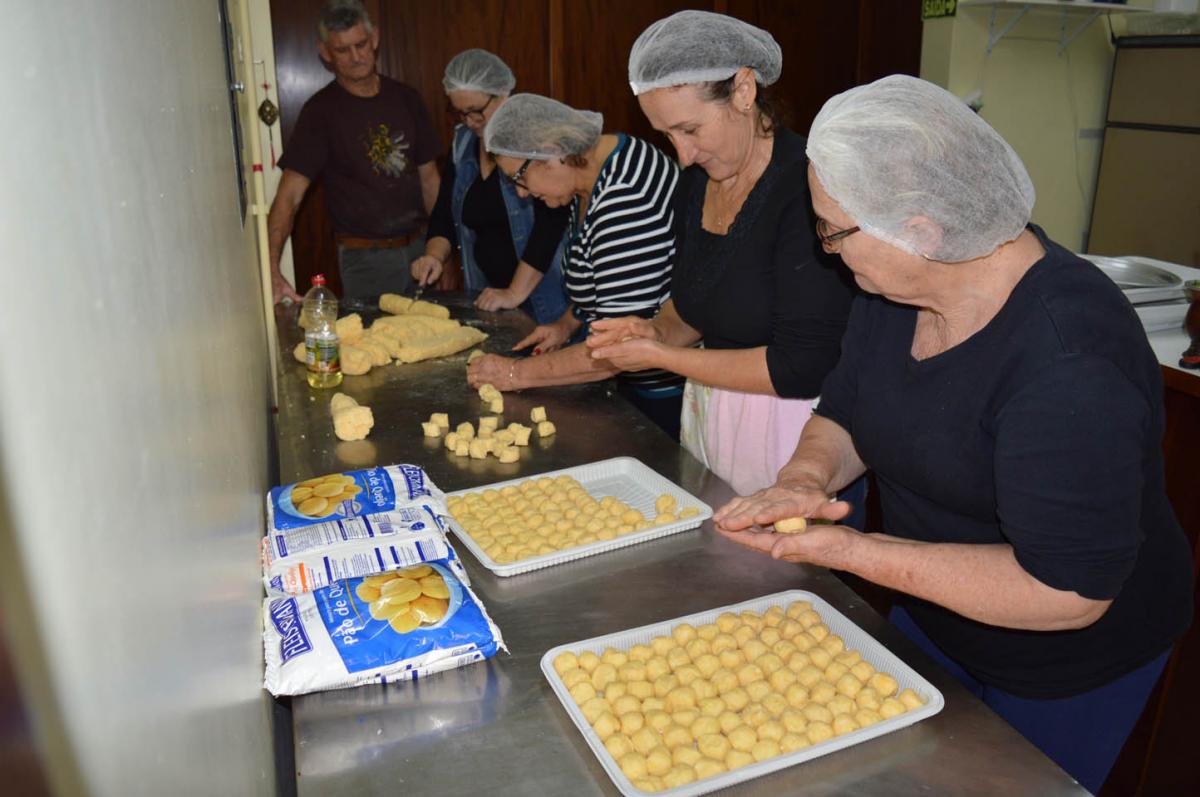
(933, 9)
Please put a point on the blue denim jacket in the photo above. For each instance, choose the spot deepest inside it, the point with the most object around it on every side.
(549, 299)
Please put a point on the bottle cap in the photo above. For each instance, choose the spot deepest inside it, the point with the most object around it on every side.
(318, 279)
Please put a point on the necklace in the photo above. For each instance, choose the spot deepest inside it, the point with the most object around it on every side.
(723, 205)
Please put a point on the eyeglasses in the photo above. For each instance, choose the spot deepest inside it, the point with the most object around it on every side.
(830, 238)
(520, 173)
(469, 114)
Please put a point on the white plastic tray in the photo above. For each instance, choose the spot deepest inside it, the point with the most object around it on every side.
(621, 477)
(855, 638)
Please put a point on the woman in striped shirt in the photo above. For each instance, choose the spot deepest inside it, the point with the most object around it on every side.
(620, 244)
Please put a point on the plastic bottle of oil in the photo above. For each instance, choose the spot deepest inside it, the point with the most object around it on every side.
(321, 350)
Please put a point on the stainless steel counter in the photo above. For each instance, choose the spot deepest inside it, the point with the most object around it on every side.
(496, 727)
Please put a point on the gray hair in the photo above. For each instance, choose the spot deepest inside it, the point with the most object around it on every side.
(339, 15)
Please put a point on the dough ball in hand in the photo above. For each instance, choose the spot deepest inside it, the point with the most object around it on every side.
(791, 525)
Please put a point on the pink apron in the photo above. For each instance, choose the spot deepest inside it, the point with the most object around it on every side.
(745, 438)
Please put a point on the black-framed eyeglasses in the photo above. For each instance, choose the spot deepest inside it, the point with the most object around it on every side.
(517, 176)
(830, 238)
(470, 114)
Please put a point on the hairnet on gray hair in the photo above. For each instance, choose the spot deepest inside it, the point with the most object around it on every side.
(701, 47)
(478, 70)
(339, 15)
(537, 127)
(899, 148)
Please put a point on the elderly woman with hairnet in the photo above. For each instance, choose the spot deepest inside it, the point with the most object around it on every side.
(620, 244)
(1004, 394)
(750, 278)
(511, 246)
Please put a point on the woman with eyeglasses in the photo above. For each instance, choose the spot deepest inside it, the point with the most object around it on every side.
(750, 278)
(618, 190)
(1006, 398)
(510, 246)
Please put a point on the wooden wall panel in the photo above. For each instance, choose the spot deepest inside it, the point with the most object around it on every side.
(577, 51)
(423, 37)
(595, 60)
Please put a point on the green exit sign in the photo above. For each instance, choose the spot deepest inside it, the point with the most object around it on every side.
(934, 9)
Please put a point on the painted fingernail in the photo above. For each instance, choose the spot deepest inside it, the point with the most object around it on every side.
(537, 351)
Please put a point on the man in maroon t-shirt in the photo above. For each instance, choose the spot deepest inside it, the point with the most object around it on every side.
(371, 139)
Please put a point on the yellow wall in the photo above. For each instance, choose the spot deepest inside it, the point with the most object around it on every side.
(1049, 108)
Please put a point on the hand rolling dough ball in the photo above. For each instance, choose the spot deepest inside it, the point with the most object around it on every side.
(791, 525)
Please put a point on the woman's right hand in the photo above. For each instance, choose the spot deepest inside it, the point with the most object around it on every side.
(777, 503)
(607, 331)
(426, 269)
(545, 338)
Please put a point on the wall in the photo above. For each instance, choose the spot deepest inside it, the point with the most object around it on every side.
(1049, 108)
(133, 404)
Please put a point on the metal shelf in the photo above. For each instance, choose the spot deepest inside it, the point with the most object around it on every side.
(1090, 10)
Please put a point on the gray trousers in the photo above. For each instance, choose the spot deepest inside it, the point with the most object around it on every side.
(367, 273)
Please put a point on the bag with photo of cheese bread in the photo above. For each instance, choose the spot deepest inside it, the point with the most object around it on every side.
(394, 626)
(351, 494)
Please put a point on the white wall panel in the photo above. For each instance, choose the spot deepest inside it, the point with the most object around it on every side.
(133, 402)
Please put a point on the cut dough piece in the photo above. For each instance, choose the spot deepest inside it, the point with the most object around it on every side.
(431, 429)
(341, 401)
(537, 414)
(479, 449)
(496, 405)
(442, 419)
(474, 356)
(489, 422)
(507, 454)
(300, 353)
(353, 423)
(465, 430)
(488, 392)
(545, 429)
(463, 448)
(791, 525)
(521, 435)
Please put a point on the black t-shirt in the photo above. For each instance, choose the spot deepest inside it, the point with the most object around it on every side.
(485, 213)
(1042, 431)
(368, 150)
(767, 282)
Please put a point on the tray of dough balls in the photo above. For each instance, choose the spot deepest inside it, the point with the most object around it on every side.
(528, 524)
(703, 702)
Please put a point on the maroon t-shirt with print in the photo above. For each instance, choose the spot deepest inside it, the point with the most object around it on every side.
(367, 149)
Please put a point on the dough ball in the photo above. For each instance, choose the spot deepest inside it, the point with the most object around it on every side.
(792, 525)
(685, 754)
(679, 775)
(910, 699)
(736, 759)
(645, 739)
(791, 742)
(884, 684)
(632, 722)
(676, 735)
(891, 707)
(605, 725)
(618, 745)
(713, 746)
(593, 708)
(658, 761)
(743, 738)
(764, 749)
(633, 765)
(843, 724)
(818, 732)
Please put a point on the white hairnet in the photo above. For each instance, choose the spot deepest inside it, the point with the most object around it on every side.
(478, 70)
(700, 47)
(533, 126)
(900, 148)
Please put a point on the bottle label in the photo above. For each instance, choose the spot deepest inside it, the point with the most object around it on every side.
(321, 353)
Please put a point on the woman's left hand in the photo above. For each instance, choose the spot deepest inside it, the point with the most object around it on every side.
(491, 369)
(825, 546)
(633, 354)
(492, 299)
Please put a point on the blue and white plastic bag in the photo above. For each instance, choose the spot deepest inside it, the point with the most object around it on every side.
(396, 626)
(354, 493)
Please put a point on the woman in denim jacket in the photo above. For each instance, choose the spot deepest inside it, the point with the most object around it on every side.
(511, 247)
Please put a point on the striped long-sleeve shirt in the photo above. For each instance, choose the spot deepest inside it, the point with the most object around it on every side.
(620, 253)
